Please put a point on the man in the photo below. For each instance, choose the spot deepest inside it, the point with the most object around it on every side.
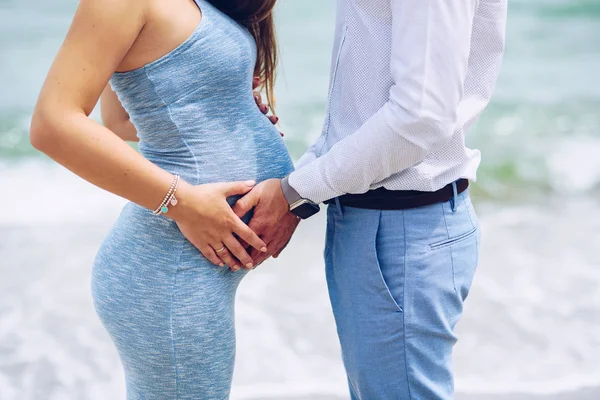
(409, 79)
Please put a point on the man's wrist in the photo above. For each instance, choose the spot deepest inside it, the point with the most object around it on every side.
(300, 207)
(290, 194)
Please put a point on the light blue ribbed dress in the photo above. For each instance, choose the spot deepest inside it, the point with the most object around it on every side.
(169, 311)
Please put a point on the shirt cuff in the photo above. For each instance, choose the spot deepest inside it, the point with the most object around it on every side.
(310, 184)
(290, 194)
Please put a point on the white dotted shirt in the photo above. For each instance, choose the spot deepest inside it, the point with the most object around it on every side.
(408, 80)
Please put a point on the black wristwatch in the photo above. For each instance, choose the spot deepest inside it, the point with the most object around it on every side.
(302, 208)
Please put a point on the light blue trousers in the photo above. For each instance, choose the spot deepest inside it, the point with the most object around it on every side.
(397, 282)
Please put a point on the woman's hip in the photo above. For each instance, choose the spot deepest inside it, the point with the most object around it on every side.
(145, 261)
(171, 329)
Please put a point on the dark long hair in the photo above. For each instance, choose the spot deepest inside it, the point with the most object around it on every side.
(257, 17)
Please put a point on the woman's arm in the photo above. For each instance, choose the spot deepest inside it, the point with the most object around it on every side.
(100, 36)
(114, 116)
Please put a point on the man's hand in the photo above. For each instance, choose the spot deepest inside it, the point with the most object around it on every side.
(272, 220)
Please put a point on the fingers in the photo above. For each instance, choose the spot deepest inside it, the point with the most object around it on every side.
(259, 102)
(246, 203)
(239, 252)
(229, 260)
(210, 254)
(233, 188)
(243, 243)
(277, 236)
(258, 257)
(258, 98)
(248, 235)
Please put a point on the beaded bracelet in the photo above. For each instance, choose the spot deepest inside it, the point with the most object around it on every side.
(169, 199)
(165, 199)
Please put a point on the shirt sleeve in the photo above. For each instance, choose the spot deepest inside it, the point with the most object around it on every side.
(308, 157)
(430, 51)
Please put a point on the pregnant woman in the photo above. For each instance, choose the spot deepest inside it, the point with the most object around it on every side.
(183, 71)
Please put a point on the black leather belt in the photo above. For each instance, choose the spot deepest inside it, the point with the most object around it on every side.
(384, 199)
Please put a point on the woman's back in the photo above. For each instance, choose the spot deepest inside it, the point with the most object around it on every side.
(194, 109)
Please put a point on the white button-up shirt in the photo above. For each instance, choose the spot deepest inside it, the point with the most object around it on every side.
(408, 80)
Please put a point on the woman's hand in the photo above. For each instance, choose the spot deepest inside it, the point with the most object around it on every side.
(208, 222)
(261, 106)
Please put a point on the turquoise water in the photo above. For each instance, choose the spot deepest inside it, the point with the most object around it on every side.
(532, 322)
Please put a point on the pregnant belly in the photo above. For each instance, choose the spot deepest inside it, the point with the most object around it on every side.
(210, 157)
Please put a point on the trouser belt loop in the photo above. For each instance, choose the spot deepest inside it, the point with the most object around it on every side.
(339, 206)
(454, 199)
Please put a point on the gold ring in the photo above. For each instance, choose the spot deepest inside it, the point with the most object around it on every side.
(222, 249)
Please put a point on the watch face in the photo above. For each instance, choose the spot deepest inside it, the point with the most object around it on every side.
(306, 209)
